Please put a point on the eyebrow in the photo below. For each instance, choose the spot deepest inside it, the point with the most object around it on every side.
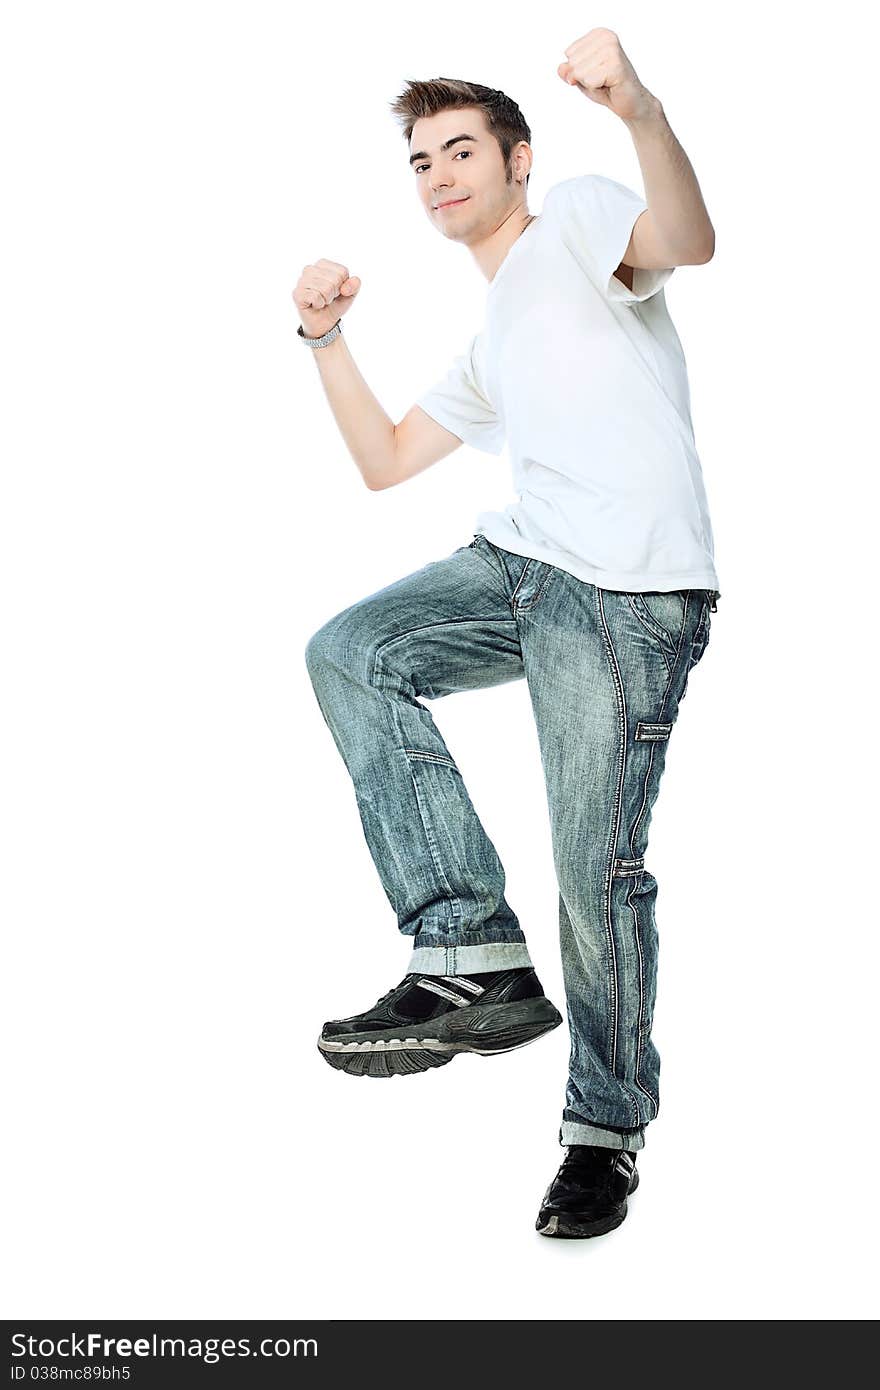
(447, 144)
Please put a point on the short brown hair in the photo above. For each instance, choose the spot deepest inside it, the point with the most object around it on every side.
(427, 98)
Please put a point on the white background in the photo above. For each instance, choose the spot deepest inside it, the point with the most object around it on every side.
(186, 890)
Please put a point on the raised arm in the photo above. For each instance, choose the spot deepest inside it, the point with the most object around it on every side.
(385, 453)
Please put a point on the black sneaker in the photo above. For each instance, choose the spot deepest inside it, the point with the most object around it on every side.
(427, 1019)
(588, 1195)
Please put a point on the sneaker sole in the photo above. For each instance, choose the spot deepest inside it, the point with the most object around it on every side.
(566, 1229)
(486, 1030)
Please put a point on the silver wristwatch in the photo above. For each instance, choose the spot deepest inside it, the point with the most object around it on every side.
(325, 338)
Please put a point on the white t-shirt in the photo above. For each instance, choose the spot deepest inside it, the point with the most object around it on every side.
(586, 382)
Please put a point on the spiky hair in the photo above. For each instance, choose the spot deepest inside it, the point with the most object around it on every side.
(426, 98)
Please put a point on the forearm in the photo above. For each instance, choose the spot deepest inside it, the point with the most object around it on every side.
(367, 430)
(671, 189)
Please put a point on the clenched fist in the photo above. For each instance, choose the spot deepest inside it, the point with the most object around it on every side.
(598, 65)
(323, 293)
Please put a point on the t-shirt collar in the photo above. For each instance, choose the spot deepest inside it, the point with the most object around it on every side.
(510, 251)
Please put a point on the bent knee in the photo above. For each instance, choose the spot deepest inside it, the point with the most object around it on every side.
(341, 643)
(320, 648)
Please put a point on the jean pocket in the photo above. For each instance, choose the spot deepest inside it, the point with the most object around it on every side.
(663, 613)
(701, 636)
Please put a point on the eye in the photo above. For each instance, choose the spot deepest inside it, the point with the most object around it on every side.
(420, 167)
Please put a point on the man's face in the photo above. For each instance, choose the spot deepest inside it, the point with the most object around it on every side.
(469, 176)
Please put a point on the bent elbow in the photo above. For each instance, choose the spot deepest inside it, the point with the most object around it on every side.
(379, 484)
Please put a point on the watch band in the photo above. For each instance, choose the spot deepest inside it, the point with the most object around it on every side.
(325, 338)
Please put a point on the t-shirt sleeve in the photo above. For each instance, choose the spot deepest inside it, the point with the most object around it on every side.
(597, 217)
(458, 402)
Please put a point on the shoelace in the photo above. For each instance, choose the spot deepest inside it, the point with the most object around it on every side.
(389, 993)
(586, 1169)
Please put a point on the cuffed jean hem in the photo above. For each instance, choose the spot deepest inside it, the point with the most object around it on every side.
(464, 960)
(571, 1133)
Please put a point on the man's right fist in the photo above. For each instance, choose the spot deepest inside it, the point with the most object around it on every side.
(323, 293)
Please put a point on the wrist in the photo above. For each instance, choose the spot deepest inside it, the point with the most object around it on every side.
(650, 113)
(321, 340)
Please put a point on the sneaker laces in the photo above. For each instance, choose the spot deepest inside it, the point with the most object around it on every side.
(393, 990)
(587, 1167)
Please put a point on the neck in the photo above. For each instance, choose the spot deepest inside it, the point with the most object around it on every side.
(491, 251)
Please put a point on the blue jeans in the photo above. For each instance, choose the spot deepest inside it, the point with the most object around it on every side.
(606, 673)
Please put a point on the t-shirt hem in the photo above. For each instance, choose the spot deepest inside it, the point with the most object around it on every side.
(622, 581)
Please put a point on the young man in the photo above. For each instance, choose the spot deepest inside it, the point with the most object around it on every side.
(595, 585)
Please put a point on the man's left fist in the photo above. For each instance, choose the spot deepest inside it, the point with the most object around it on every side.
(598, 65)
